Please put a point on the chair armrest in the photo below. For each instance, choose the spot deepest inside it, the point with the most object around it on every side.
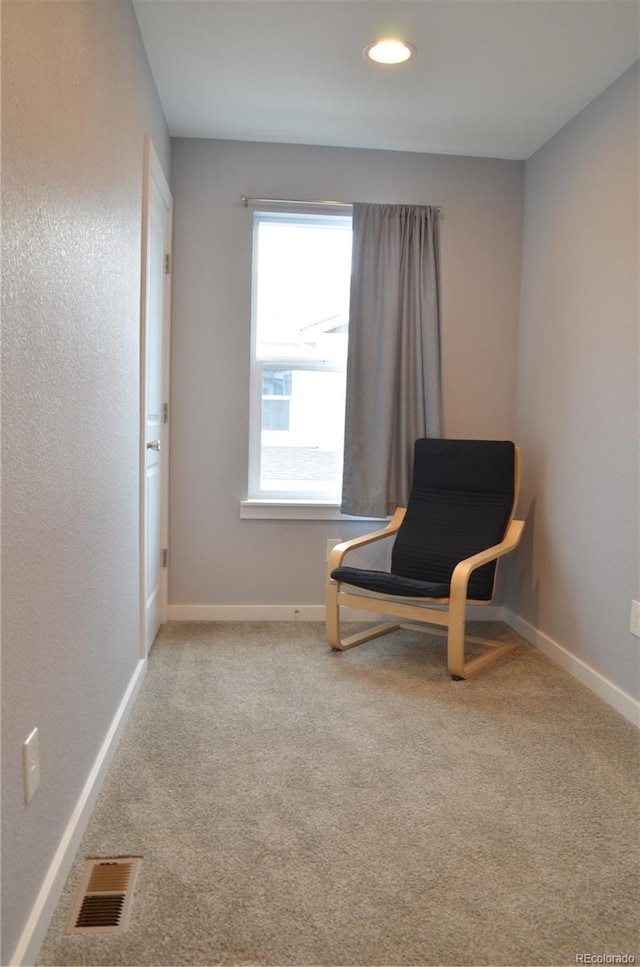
(462, 570)
(337, 553)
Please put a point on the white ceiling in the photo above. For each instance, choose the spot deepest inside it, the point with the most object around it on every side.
(494, 78)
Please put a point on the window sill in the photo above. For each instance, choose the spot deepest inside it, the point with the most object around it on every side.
(258, 509)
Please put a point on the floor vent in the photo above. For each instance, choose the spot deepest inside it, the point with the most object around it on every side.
(103, 901)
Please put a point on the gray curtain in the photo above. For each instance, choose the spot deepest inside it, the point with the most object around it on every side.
(393, 367)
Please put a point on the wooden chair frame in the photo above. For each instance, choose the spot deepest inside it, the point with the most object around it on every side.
(449, 613)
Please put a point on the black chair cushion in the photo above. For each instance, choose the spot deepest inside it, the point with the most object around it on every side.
(460, 504)
(384, 583)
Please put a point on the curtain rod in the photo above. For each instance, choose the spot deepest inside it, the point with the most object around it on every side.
(247, 200)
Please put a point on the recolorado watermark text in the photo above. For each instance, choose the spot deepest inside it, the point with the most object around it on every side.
(605, 959)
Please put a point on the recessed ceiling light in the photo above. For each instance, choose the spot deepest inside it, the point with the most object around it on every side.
(389, 51)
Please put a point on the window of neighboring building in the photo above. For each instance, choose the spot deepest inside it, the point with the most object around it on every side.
(301, 272)
(276, 398)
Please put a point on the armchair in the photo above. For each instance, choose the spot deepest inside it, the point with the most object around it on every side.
(458, 522)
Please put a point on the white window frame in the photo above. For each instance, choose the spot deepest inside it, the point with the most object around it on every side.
(282, 504)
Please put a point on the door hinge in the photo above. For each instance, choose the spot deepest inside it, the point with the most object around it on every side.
(165, 412)
(165, 557)
(167, 263)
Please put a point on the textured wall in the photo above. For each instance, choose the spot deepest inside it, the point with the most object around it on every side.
(216, 558)
(77, 100)
(577, 416)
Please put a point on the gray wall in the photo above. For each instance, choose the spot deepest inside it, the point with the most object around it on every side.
(577, 415)
(216, 558)
(77, 100)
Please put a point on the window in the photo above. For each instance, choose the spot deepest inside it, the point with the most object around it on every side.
(301, 280)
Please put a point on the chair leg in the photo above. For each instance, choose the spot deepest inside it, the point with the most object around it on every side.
(332, 618)
(374, 631)
(458, 668)
(455, 642)
(332, 615)
(494, 651)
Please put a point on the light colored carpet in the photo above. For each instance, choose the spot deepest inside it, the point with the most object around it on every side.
(298, 806)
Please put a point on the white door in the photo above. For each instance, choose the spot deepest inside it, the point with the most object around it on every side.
(156, 291)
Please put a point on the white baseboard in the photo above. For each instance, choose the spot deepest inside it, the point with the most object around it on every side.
(624, 703)
(43, 909)
(290, 612)
(258, 612)
(245, 612)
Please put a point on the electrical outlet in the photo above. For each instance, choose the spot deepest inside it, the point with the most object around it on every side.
(634, 626)
(31, 765)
